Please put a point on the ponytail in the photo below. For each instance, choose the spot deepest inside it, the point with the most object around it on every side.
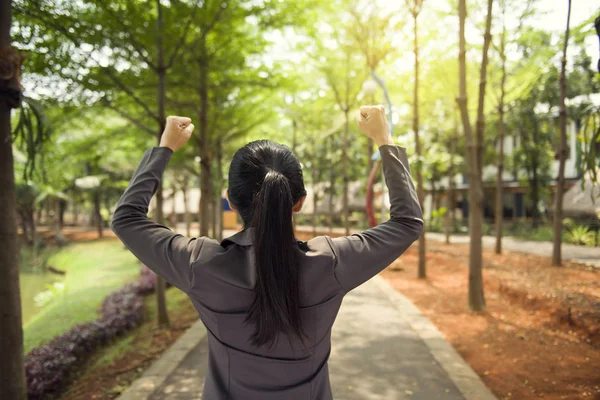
(276, 306)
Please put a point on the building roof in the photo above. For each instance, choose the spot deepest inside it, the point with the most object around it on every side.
(582, 200)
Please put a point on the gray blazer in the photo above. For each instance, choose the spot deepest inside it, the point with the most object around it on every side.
(219, 279)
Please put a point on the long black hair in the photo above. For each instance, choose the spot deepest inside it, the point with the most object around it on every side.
(265, 181)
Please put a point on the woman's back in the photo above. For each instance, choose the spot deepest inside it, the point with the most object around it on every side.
(268, 303)
(289, 368)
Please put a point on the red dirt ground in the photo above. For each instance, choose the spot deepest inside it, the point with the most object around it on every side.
(540, 335)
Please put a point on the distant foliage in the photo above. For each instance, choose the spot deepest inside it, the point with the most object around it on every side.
(48, 367)
(31, 132)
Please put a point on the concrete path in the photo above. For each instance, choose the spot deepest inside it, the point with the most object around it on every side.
(383, 349)
(582, 254)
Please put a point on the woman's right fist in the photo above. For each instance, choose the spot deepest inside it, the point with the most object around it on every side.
(371, 120)
(177, 132)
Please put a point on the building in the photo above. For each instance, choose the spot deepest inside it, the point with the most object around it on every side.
(515, 185)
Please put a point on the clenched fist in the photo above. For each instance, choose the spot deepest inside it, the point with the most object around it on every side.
(371, 120)
(177, 131)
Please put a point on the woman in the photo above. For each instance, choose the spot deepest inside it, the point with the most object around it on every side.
(268, 301)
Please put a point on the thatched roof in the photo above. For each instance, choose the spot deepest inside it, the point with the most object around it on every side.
(582, 200)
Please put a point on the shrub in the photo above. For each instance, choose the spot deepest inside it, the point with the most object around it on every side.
(542, 234)
(581, 235)
(437, 220)
(48, 367)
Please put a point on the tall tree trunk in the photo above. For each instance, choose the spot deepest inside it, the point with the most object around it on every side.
(186, 209)
(205, 189)
(345, 176)
(499, 181)
(294, 132)
(75, 211)
(370, 163)
(62, 206)
(422, 273)
(34, 239)
(97, 214)
(476, 297)
(217, 212)
(12, 376)
(535, 196)
(59, 238)
(434, 198)
(331, 187)
(219, 147)
(161, 302)
(213, 210)
(314, 199)
(562, 149)
(451, 201)
(173, 216)
(205, 167)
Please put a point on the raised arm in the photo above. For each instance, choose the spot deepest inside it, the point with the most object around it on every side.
(156, 246)
(360, 257)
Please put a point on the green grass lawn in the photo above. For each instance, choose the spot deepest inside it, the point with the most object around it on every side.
(93, 270)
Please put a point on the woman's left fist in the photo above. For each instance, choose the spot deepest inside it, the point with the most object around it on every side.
(178, 130)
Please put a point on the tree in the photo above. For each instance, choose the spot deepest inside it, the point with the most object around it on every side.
(12, 375)
(368, 30)
(451, 196)
(415, 9)
(120, 27)
(161, 71)
(499, 214)
(474, 156)
(345, 81)
(562, 150)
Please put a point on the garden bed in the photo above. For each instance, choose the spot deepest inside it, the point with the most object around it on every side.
(49, 367)
(93, 271)
(110, 370)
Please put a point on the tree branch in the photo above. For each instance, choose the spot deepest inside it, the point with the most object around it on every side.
(136, 45)
(181, 41)
(105, 70)
(124, 114)
(125, 89)
(210, 26)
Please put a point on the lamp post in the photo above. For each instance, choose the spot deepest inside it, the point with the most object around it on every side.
(369, 88)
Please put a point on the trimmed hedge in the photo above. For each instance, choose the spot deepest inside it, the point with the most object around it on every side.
(48, 367)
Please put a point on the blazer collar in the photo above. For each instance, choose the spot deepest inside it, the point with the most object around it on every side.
(242, 238)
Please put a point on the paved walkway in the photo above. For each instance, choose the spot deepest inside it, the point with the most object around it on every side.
(582, 254)
(383, 349)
